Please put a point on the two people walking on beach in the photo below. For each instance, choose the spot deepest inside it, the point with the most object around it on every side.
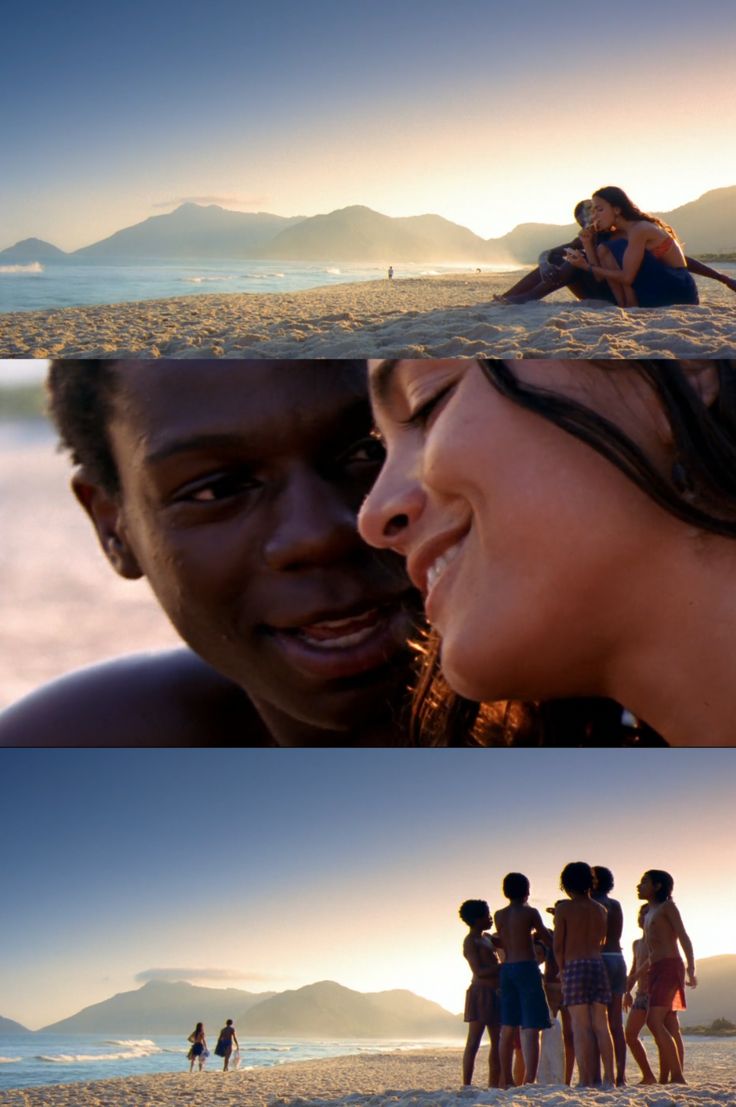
(584, 978)
(227, 1042)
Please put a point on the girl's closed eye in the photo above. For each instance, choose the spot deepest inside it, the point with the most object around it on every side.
(423, 414)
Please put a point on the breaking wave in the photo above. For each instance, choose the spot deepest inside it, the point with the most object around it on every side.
(30, 269)
(204, 280)
(135, 1049)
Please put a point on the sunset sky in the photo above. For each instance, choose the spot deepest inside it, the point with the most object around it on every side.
(487, 113)
(268, 869)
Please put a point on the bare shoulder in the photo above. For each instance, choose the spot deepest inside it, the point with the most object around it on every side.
(167, 698)
(640, 230)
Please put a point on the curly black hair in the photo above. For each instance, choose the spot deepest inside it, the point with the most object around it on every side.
(80, 396)
(80, 401)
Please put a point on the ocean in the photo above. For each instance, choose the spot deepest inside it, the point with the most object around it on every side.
(36, 286)
(32, 1059)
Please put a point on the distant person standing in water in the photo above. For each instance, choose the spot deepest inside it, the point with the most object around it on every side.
(390, 272)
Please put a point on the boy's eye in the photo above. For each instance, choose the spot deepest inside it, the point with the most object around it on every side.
(218, 487)
(367, 451)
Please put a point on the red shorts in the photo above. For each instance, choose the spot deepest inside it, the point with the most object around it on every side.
(666, 986)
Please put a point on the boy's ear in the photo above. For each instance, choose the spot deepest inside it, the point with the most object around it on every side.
(107, 519)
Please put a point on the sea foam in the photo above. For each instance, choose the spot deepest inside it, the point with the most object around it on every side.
(30, 269)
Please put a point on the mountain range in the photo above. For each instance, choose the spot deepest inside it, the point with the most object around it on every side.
(326, 1009)
(358, 234)
(10, 1026)
(317, 1010)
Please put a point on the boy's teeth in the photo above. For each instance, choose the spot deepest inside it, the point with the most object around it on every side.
(355, 629)
(330, 624)
(341, 642)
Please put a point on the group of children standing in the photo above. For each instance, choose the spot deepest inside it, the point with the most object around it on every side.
(583, 977)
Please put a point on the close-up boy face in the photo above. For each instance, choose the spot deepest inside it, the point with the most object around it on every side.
(239, 490)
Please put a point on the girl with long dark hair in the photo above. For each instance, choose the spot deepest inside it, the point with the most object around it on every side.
(571, 525)
(643, 263)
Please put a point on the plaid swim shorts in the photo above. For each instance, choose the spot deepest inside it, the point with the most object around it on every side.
(585, 981)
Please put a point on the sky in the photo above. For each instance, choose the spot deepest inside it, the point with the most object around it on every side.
(485, 112)
(22, 371)
(268, 870)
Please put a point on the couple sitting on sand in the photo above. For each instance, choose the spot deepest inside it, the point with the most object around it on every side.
(621, 255)
(584, 977)
(545, 510)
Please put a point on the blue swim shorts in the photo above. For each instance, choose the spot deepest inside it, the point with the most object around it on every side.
(616, 969)
(522, 996)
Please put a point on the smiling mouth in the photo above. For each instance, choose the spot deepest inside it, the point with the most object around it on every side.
(346, 647)
(337, 634)
(438, 566)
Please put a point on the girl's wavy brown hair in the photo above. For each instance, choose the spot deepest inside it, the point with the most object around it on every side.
(701, 491)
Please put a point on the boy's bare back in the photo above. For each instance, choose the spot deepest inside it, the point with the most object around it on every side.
(516, 925)
(580, 928)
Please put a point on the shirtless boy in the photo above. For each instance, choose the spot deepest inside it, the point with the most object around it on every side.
(523, 1003)
(482, 1008)
(580, 931)
(663, 930)
(613, 959)
(638, 1005)
(226, 1040)
(232, 487)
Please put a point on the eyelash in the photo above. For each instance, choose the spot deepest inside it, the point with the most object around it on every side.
(420, 417)
(229, 485)
(226, 484)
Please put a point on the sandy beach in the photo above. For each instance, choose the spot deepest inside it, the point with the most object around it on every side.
(443, 316)
(413, 1079)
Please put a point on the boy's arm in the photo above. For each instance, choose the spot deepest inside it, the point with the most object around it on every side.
(559, 938)
(543, 934)
(687, 946)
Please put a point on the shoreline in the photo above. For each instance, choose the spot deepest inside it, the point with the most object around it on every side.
(443, 316)
(415, 1078)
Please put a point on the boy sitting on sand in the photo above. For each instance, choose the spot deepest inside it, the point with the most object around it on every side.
(580, 931)
(482, 1008)
(522, 995)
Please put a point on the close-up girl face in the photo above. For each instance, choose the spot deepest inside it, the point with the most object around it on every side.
(536, 556)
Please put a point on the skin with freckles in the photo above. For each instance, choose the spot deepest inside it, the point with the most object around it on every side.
(547, 572)
(240, 486)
